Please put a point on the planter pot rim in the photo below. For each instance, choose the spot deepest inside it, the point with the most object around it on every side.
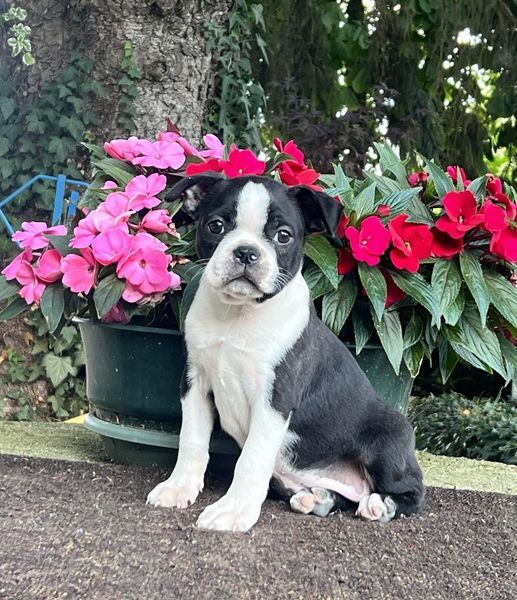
(126, 327)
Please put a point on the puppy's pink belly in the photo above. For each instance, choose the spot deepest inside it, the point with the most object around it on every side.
(345, 478)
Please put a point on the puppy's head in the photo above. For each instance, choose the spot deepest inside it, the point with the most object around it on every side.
(252, 231)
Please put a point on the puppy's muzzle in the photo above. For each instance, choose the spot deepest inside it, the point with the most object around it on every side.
(246, 255)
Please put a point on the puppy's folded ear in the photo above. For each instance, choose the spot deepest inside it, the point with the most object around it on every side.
(193, 190)
(320, 211)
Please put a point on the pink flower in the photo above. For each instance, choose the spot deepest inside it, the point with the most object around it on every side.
(418, 178)
(116, 315)
(34, 232)
(160, 154)
(85, 232)
(243, 162)
(123, 149)
(142, 190)
(32, 288)
(148, 271)
(10, 272)
(49, 266)
(370, 242)
(156, 221)
(79, 271)
(110, 246)
(110, 185)
(215, 148)
(145, 241)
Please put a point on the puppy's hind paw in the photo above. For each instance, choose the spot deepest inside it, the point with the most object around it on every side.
(374, 508)
(318, 501)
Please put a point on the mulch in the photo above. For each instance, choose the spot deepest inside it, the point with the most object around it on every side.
(82, 530)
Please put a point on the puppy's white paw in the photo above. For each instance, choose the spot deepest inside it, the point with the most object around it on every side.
(374, 508)
(318, 501)
(229, 514)
(175, 492)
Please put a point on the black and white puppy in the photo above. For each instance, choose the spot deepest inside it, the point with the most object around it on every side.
(284, 386)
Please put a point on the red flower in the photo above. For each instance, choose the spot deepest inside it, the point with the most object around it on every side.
(346, 263)
(384, 210)
(453, 172)
(444, 246)
(291, 148)
(243, 162)
(418, 178)
(341, 228)
(293, 174)
(461, 214)
(411, 243)
(494, 185)
(395, 294)
(370, 242)
(504, 244)
(497, 217)
(215, 165)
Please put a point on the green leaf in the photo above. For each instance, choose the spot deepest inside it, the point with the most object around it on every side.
(414, 331)
(385, 185)
(58, 368)
(392, 163)
(188, 271)
(468, 357)
(363, 329)
(4, 145)
(120, 171)
(473, 277)
(53, 305)
(454, 311)
(364, 203)
(398, 201)
(7, 107)
(415, 286)
(389, 331)
(503, 295)
(375, 285)
(107, 294)
(509, 352)
(317, 281)
(478, 187)
(446, 282)
(447, 358)
(13, 309)
(8, 289)
(442, 182)
(61, 244)
(337, 305)
(319, 249)
(413, 357)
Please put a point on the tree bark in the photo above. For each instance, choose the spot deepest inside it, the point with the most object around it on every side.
(169, 48)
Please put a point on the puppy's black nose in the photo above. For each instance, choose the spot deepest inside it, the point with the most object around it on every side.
(246, 255)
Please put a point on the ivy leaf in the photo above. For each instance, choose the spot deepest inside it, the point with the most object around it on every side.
(446, 282)
(317, 281)
(375, 286)
(58, 368)
(8, 289)
(14, 308)
(473, 277)
(107, 294)
(319, 249)
(503, 295)
(52, 305)
(392, 163)
(7, 107)
(337, 305)
(415, 286)
(389, 331)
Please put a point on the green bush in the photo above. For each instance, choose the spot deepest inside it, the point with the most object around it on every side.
(453, 425)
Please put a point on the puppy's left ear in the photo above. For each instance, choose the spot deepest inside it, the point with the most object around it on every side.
(320, 211)
(193, 190)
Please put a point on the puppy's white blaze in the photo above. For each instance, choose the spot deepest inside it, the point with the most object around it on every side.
(253, 208)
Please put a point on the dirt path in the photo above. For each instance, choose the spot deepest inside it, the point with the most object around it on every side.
(75, 530)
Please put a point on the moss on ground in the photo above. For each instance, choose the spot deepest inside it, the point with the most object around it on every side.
(75, 442)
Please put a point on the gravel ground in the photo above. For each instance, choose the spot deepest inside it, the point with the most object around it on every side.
(77, 530)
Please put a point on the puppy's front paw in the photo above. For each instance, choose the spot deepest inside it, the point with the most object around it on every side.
(175, 492)
(229, 514)
(374, 508)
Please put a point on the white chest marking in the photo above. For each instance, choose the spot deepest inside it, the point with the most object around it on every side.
(235, 349)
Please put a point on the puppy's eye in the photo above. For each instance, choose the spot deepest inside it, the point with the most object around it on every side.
(283, 236)
(216, 226)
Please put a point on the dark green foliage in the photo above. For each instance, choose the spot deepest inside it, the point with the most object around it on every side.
(453, 425)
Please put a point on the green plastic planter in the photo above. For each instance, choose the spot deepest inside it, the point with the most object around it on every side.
(133, 377)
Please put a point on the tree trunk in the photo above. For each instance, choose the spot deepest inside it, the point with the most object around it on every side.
(169, 48)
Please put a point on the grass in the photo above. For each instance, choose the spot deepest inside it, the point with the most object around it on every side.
(74, 442)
